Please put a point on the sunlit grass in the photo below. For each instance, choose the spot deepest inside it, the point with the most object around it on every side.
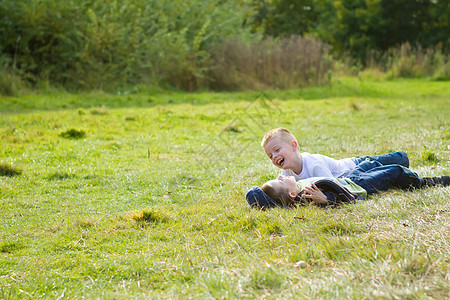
(149, 202)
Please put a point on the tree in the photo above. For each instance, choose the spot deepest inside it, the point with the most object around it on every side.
(357, 26)
(362, 25)
(283, 17)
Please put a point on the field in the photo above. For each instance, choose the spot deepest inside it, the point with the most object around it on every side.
(142, 195)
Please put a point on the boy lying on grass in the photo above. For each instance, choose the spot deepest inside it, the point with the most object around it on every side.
(367, 178)
(283, 150)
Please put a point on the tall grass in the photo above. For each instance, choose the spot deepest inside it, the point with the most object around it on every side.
(407, 61)
(10, 82)
(287, 63)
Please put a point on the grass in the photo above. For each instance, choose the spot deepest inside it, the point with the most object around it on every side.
(149, 202)
(9, 170)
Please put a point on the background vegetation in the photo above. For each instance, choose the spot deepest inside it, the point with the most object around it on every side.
(358, 25)
(215, 44)
(142, 195)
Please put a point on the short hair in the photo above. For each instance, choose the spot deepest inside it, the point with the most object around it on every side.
(277, 132)
(279, 196)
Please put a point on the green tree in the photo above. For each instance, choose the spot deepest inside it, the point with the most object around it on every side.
(362, 25)
(411, 21)
(437, 30)
(283, 17)
(357, 26)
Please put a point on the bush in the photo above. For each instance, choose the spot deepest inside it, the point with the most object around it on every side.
(407, 61)
(10, 83)
(109, 44)
(404, 61)
(271, 63)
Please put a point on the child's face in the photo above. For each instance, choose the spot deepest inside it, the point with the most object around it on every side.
(281, 152)
(285, 184)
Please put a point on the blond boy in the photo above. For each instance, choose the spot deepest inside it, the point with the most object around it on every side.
(283, 150)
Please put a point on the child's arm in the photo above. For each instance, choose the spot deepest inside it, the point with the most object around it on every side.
(317, 196)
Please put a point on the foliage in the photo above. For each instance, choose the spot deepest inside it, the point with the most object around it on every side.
(285, 63)
(407, 61)
(283, 17)
(356, 26)
(150, 204)
(417, 62)
(191, 45)
(383, 24)
(111, 43)
(10, 82)
(423, 22)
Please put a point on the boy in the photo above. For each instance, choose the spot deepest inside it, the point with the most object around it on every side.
(282, 149)
(367, 178)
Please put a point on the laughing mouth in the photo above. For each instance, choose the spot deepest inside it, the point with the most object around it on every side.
(280, 162)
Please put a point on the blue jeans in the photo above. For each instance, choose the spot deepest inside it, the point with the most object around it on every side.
(393, 158)
(373, 176)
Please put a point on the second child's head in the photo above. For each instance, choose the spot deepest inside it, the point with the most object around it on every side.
(281, 147)
(282, 190)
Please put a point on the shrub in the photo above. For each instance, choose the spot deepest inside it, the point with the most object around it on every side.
(404, 61)
(407, 61)
(110, 44)
(270, 63)
(10, 82)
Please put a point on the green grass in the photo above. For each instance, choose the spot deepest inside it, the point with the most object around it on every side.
(149, 201)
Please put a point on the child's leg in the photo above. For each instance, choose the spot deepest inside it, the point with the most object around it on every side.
(393, 158)
(374, 177)
(366, 165)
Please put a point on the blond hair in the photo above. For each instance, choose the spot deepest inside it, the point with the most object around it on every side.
(279, 195)
(281, 132)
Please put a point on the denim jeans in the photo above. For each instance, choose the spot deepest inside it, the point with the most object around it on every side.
(373, 176)
(393, 158)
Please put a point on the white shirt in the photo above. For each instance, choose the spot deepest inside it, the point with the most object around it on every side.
(317, 165)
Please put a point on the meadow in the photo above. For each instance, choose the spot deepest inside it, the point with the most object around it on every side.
(141, 194)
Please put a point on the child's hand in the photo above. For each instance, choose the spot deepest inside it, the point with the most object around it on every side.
(314, 194)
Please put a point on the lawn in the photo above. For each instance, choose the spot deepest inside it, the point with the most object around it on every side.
(141, 194)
